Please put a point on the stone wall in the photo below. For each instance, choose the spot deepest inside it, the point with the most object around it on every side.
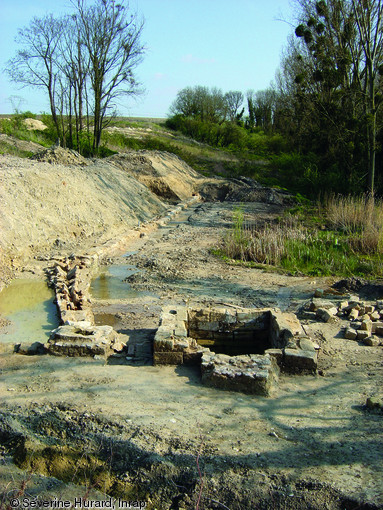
(289, 349)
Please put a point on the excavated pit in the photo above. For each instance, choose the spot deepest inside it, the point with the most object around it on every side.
(258, 343)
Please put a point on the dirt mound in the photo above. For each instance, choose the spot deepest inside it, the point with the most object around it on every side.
(166, 175)
(366, 288)
(242, 189)
(58, 155)
(22, 145)
(35, 125)
(45, 207)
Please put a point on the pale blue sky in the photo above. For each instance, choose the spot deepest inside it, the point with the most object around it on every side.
(229, 44)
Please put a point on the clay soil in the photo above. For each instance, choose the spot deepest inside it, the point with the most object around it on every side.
(156, 434)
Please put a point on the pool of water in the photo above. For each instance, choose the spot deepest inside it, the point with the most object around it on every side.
(30, 308)
(110, 284)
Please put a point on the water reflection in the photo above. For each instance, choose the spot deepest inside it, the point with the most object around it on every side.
(110, 284)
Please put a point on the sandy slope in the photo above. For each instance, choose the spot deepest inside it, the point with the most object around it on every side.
(45, 206)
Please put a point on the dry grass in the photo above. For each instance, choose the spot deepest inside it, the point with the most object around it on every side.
(361, 218)
(352, 245)
(266, 244)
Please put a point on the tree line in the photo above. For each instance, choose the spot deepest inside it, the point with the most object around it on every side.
(85, 61)
(327, 99)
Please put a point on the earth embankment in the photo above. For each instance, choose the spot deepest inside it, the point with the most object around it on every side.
(57, 202)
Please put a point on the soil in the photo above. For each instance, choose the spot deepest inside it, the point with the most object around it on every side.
(129, 429)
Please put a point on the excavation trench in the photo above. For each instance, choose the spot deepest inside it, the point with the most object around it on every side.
(291, 448)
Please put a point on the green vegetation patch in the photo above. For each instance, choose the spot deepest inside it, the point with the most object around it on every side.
(297, 245)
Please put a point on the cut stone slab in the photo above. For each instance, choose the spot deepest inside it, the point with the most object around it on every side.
(363, 334)
(327, 314)
(254, 374)
(297, 360)
(82, 341)
(351, 334)
(316, 304)
(372, 341)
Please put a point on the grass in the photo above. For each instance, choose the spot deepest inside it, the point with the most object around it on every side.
(350, 244)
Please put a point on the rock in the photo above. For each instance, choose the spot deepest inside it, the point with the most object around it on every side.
(306, 344)
(369, 308)
(372, 341)
(361, 335)
(375, 402)
(343, 305)
(354, 313)
(350, 334)
(30, 349)
(375, 316)
(366, 325)
(304, 314)
(327, 315)
(319, 293)
(118, 346)
(316, 304)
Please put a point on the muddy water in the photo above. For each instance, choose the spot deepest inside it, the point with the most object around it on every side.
(29, 307)
(109, 283)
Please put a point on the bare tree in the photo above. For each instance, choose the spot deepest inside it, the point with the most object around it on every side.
(35, 64)
(369, 22)
(111, 36)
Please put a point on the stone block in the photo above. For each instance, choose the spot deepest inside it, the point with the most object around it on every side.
(220, 315)
(327, 314)
(306, 344)
(320, 303)
(361, 335)
(375, 316)
(378, 330)
(300, 361)
(354, 313)
(277, 354)
(350, 334)
(81, 341)
(372, 341)
(208, 326)
(203, 335)
(192, 358)
(253, 374)
(366, 325)
(283, 326)
(162, 344)
(180, 330)
(168, 358)
(250, 314)
(180, 344)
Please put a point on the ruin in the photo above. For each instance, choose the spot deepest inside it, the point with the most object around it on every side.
(237, 349)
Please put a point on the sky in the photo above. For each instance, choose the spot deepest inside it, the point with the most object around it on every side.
(228, 44)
